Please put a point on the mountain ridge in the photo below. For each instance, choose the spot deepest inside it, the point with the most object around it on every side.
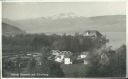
(76, 24)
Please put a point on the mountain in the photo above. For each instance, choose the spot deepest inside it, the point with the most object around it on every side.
(71, 23)
(10, 30)
(63, 15)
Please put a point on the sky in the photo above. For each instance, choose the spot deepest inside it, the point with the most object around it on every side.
(28, 10)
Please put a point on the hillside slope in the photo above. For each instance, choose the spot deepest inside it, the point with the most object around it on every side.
(10, 30)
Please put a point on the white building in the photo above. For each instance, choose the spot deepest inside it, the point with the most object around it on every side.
(67, 61)
(92, 33)
(62, 56)
(59, 58)
(83, 57)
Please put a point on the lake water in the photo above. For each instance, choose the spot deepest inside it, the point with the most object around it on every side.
(116, 39)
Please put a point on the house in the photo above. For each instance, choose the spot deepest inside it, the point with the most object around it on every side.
(56, 55)
(67, 61)
(67, 57)
(55, 52)
(83, 57)
(92, 33)
(61, 56)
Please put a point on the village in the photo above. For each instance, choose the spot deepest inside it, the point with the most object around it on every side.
(63, 57)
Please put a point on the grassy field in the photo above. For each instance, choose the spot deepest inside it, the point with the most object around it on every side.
(74, 70)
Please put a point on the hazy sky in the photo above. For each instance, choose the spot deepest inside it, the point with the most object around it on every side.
(33, 10)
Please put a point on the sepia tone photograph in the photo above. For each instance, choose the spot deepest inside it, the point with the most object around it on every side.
(64, 39)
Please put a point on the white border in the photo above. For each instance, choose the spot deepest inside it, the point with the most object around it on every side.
(0, 40)
(60, 1)
(126, 40)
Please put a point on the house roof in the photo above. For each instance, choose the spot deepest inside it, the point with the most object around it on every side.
(65, 53)
(94, 31)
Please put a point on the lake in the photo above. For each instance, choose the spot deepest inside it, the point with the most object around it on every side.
(116, 39)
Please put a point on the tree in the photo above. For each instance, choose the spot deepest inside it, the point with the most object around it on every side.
(121, 61)
(32, 66)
